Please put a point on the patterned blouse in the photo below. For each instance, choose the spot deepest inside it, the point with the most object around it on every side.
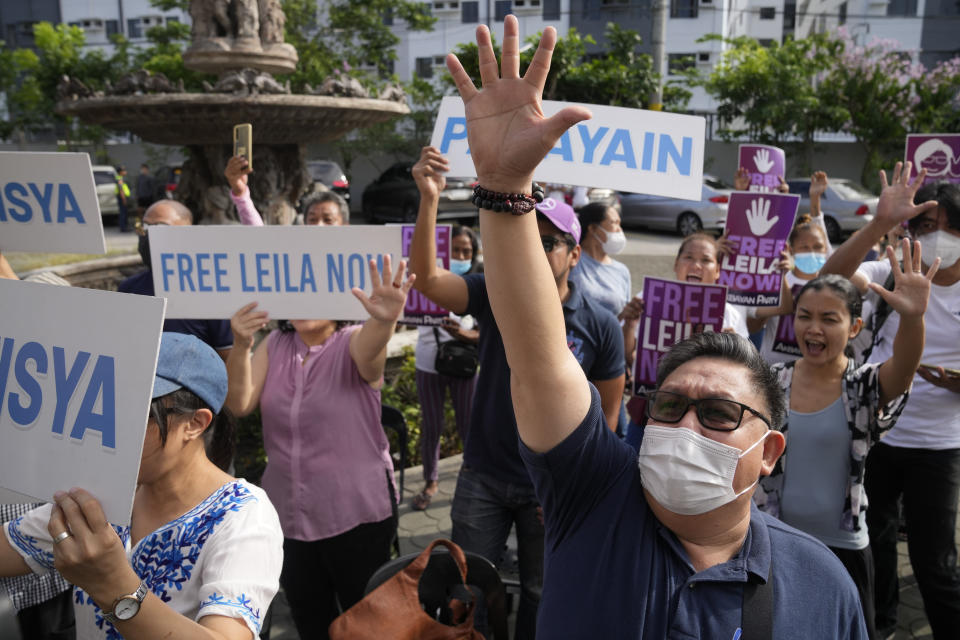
(866, 420)
(222, 557)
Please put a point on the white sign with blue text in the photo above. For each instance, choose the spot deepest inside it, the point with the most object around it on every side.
(300, 272)
(48, 202)
(76, 377)
(625, 149)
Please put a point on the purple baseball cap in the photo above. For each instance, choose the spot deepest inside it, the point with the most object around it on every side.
(561, 215)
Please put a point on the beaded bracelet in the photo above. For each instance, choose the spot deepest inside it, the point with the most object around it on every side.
(516, 203)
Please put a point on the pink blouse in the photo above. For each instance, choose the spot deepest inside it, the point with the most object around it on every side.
(328, 460)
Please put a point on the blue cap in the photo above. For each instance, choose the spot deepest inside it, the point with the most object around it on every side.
(561, 215)
(186, 362)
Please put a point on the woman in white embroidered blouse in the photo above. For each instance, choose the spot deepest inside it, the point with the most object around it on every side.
(202, 556)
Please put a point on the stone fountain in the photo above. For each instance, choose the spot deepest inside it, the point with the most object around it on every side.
(242, 42)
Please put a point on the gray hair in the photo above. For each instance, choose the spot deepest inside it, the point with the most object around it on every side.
(733, 348)
(328, 196)
(183, 212)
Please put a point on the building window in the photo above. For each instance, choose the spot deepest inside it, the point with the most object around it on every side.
(551, 9)
(679, 62)
(683, 9)
(113, 28)
(789, 17)
(703, 57)
(842, 14)
(902, 8)
(388, 17)
(765, 42)
(768, 13)
(503, 8)
(172, 19)
(425, 67)
(134, 30)
(470, 12)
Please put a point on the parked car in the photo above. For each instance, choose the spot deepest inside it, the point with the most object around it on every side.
(393, 197)
(846, 205)
(683, 216)
(330, 175)
(105, 181)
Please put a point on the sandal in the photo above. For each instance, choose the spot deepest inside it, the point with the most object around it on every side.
(421, 501)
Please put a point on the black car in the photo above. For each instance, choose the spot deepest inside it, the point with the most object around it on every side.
(393, 197)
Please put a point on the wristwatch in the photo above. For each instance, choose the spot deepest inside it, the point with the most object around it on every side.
(125, 607)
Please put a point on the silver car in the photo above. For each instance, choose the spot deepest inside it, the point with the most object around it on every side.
(683, 216)
(105, 179)
(846, 205)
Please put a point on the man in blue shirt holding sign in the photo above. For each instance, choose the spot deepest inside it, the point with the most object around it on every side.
(670, 547)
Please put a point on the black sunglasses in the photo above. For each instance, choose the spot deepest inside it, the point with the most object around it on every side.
(718, 414)
(550, 242)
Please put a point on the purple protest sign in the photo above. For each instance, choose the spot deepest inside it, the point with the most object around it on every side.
(766, 164)
(938, 153)
(758, 225)
(419, 310)
(672, 311)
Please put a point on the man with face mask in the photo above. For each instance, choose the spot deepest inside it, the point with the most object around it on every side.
(919, 458)
(215, 333)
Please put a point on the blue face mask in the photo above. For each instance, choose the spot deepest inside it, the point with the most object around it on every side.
(810, 262)
(460, 267)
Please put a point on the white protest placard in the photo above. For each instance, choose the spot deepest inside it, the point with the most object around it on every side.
(625, 149)
(300, 272)
(76, 377)
(48, 202)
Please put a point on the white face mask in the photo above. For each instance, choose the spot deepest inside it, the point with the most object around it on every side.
(615, 242)
(689, 473)
(940, 244)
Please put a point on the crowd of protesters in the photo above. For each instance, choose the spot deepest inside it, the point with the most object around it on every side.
(674, 523)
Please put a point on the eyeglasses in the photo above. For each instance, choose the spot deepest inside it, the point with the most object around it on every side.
(550, 242)
(141, 227)
(718, 414)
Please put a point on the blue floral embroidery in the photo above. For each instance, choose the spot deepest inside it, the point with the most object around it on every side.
(243, 604)
(28, 544)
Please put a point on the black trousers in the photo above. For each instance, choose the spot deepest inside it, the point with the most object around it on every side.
(326, 577)
(50, 620)
(859, 564)
(929, 482)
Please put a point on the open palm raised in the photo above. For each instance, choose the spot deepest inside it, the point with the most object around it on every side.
(911, 288)
(506, 128)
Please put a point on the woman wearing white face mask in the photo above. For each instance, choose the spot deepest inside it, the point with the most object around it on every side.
(597, 274)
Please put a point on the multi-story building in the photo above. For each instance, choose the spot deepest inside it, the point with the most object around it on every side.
(17, 18)
(101, 19)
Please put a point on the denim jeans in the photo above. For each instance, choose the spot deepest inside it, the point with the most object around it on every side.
(483, 510)
(929, 481)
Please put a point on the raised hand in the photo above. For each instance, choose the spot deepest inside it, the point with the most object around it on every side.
(389, 295)
(429, 170)
(506, 129)
(762, 160)
(236, 174)
(896, 198)
(783, 187)
(757, 217)
(818, 184)
(741, 181)
(911, 289)
(245, 323)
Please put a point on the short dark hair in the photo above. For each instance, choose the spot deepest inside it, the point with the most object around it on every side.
(839, 286)
(220, 437)
(592, 214)
(733, 348)
(327, 196)
(947, 195)
(805, 223)
(698, 235)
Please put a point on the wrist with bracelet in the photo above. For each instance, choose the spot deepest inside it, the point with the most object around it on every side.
(514, 203)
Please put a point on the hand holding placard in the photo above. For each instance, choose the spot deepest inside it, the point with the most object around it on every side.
(757, 217)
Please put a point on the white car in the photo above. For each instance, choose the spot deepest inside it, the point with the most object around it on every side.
(105, 180)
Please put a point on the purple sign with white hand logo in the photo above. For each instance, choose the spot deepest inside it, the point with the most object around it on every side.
(938, 153)
(419, 310)
(758, 225)
(766, 165)
(672, 311)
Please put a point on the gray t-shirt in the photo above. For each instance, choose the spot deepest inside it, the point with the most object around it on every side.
(815, 477)
(608, 284)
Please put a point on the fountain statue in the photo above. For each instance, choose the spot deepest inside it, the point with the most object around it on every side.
(241, 41)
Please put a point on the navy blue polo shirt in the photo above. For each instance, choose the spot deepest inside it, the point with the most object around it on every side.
(612, 570)
(215, 333)
(594, 337)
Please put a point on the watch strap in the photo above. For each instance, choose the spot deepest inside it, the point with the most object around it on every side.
(139, 595)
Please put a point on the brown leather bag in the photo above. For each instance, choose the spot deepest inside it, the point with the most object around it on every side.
(392, 611)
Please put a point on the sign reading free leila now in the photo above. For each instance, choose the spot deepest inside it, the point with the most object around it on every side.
(625, 149)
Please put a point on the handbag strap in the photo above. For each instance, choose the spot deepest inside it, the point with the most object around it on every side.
(757, 615)
(416, 568)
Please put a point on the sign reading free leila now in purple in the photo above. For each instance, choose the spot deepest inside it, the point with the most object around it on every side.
(766, 165)
(419, 310)
(758, 225)
(938, 153)
(672, 311)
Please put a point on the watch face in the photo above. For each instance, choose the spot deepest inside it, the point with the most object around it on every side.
(126, 608)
